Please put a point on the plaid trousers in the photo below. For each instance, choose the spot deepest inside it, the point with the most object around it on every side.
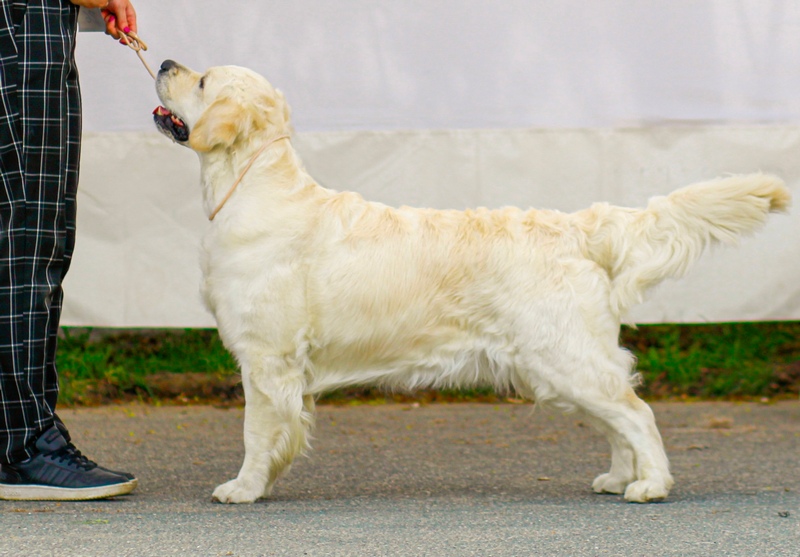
(40, 127)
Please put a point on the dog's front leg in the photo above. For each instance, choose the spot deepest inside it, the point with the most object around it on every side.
(259, 420)
(276, 423)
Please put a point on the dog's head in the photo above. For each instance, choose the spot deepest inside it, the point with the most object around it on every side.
(218, 108)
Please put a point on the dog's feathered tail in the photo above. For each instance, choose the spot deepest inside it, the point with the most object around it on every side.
(640, 248)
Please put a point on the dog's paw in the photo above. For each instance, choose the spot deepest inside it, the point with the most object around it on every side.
(606, 483)
(646, 491)
(235, 491)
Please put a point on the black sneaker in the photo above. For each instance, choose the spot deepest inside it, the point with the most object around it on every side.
(59, 472)
(65, 433)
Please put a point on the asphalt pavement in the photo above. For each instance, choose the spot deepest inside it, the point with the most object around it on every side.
(439, 480)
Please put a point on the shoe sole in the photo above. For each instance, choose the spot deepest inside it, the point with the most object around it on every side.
(50, 493)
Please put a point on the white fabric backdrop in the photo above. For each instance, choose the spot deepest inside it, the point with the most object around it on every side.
(452, 104)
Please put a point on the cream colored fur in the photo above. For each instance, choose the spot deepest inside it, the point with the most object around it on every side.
(315, 289)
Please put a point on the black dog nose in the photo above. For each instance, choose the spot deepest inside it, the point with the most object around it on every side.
(167, 65)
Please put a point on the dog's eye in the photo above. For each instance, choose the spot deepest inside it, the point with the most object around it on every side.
(202, 82)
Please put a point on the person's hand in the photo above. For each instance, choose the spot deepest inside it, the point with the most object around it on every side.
(90, 3)
(119, 16)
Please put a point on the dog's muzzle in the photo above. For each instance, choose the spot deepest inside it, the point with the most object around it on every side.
(167, 122)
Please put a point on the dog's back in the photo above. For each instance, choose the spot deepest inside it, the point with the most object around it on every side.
(413, 298)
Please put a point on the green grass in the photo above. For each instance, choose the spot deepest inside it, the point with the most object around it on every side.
(95, 367)
(717, 361)
(734, 360)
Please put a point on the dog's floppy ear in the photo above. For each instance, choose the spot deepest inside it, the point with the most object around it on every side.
(223, 122)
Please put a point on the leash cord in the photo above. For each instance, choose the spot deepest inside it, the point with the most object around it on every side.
(138, 45)
(239, 179)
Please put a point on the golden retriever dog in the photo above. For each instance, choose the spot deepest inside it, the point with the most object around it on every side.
(315, 289)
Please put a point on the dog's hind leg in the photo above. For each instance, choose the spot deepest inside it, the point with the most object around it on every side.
(277, 420)
(595, 381)
(631, 419)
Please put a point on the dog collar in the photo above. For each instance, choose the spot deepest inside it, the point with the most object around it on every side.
(239, 179)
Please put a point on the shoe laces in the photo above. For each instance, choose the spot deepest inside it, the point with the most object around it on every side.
(71, 455)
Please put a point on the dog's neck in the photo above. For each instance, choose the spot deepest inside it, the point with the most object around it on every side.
(223, 170)
(241, 175)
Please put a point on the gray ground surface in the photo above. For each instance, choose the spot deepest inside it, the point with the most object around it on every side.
(460, 479)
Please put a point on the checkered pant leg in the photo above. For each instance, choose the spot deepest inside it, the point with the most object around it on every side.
(39, 153)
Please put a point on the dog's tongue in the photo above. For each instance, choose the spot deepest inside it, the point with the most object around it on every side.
(162, 111)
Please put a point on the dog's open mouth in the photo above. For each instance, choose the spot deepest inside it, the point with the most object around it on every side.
(170, 124)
